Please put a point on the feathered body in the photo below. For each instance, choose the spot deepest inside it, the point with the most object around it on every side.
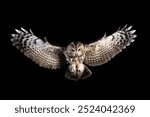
(76, 54)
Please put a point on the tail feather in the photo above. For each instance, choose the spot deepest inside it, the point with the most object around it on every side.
(72, 76)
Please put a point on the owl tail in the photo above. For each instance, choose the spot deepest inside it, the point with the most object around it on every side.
(79, 75)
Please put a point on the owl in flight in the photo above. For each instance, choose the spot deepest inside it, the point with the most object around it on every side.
(76, 54)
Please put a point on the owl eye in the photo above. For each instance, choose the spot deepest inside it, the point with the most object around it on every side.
(72, 50)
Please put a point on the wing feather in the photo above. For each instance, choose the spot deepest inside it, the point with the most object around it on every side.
(41, 52)
(103, 50)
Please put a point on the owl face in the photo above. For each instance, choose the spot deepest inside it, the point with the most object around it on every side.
(75, 49)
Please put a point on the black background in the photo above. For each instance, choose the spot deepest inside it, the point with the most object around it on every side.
(124, 77)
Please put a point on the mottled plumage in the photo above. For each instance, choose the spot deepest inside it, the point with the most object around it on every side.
(76, 53)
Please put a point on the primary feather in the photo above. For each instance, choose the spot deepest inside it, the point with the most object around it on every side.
(103, 50)
(41, 52)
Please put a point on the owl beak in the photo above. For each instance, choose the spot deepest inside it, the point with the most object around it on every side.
(76, 54)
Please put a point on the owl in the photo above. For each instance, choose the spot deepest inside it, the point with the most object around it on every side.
(76, 54)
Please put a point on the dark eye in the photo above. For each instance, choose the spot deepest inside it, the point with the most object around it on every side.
(73, 50)
(79, 49)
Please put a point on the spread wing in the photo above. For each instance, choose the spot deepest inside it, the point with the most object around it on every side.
(41, 52)
(103, 50)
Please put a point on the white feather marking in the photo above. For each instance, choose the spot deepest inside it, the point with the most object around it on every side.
(124, 27)
(133, 31)
(128, 44)
(31, 31)
(18, 31)
(104, 35)
(13, 35)
(132, 40)
(123, 48)
(24, 30)
(118, 29)
(133, 36)
(128, 28)
(12, 39)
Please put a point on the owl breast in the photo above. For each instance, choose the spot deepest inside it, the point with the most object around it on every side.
(76, 66)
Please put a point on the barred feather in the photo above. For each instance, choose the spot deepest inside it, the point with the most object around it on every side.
(103, 50)
(42, 53)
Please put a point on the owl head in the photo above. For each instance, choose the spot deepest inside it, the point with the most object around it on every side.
(75, 49)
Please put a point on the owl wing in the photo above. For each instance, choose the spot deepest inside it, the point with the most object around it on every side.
(40, 51)
(103, 50)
